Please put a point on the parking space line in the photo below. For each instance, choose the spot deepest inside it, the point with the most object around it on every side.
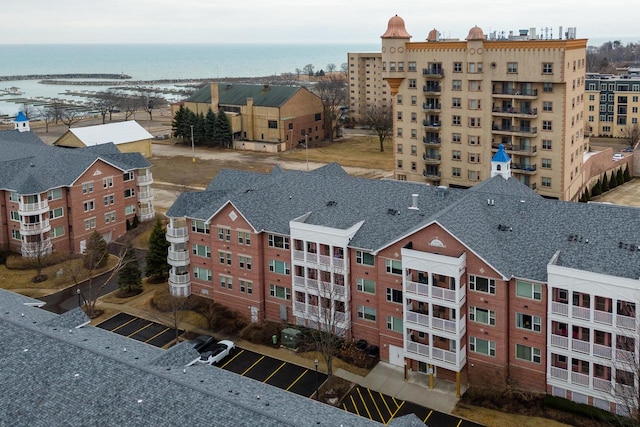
(460, 422)
(141, 329)
(158, 334)
(396, 402)
(394, 414)
(297, 379)
(355, 407)
(376, 405)
(427, 417)
(385, 403)
(124, 324)
(274, 372)
(254, 364)
(366, 408)
(232, 359)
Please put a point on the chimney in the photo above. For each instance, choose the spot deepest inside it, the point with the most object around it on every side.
(414, 202)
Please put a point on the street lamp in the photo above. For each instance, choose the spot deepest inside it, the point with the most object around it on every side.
(79, 300)
(315, 362)
(193, 147)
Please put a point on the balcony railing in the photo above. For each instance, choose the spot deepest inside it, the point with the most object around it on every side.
(559, 373)
(435, 353)
(179, 279)
(516, 92)
(431, 175)
(560, 308)
(603, 351)
(583, 313)
(173, 255)
(145, 195)
(524, 168)
(435, 292)
(603, 317)
(522, 130)
(177, 234)
(431, 159)
(580, 379)
(35, 228)
(431, 124)
(625, 356)
(581, 346)
(433, 72)
(532, 113)
(431, 89)
(145, 179)
(432, 141)
(430, 107)
(625, 322)
(41, 206)
(34, 249)
(602, 384)
(416, 318)
(514, 149)
(560, 341)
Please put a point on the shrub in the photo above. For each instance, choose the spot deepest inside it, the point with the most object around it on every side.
(17, 262)
(582, 410)
(626, 174)
(261, 333)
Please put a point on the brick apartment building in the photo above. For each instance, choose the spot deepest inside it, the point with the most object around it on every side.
(493, 284)
(53, 198)
(455, 100)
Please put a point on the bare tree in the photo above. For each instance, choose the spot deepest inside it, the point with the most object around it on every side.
(28, 110)
(332, 90)
(129, 104)
(631, 134)
(381, 121)
(47, 114)
(148, 103)
(308, 69)
(102, 105)
(331, 68)
(57, 109)
(70, 116)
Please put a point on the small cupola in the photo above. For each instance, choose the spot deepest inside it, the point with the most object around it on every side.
(501, 163)
(21, 122)
(396, 29)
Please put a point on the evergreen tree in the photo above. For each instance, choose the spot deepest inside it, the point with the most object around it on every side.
(627, 175)
(157, 266)
(605, 183)
(209, 126)
(189, 119)
(222, 133)
(587, 196)
(613, 181)
(135, 222)
(129, 276)
(178, 122)
(619, 176)
(96, 253)
(597, 189)
(198, 130)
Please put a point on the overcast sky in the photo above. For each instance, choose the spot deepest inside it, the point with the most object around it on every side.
(287, 21)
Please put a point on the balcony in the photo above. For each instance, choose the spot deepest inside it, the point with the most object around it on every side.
(432, 142)
(451, 359)
(178, 258)
(431, 125)
(514, 130)
(431, 175)
(431, 107)
(560, 308)
(34, 249)
(603, 317)
(146, 179)
(524, 169)
(35, 228)
(177, 234)
(513, 112)
(434, 292)
(433, 73)
(145, 196)
(433, 89)
(560, 341)
(602, 384)
(515, 93)
(515, 150)
(147, 213)
(625, 322)
(431, 159)
(26, 209)
(583, 313)
(179, 279)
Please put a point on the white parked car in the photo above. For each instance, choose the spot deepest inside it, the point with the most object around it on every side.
(214, 356)
(617, 156)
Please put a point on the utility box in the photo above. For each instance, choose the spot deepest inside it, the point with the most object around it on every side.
(291, 337)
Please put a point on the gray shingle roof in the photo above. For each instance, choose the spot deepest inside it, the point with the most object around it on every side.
(517, 231)
(53, 375)
(237, 94)
(29, 166)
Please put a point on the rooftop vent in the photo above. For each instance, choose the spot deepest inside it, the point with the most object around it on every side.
(332, 203)
(414, 202)
(391, 211)
(503, 227)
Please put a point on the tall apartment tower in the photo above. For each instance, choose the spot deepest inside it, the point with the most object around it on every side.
(455, 101)
(366, 87)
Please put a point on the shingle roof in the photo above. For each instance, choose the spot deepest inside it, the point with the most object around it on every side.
(29, 166)
(505, 223)
(52, 375)
(237, 94)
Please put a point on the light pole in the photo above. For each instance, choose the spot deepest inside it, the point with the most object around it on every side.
(315, 362)
(193, 147)
(79, 300)
(306, 149)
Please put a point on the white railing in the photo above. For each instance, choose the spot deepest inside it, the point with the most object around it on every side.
(559, 373)
(626, 391)
(581, 346)
(339, 289)
(444, 355)
(625, 356)
(421, 349)
(603, 317)
(179, 279)
(298, 281)
(581, 312)
(325, 259)
(435, 292)
(33, 249)
(33, 207)
(144, 195)
(300, 306)
(145, 179)
(418, 288)
(177, 232)
(443, 325)
(443, 294)
(580, 379)
(147, 211)
(602, 351)
(560, 308)
(298, 255)
(625, 322)
(312, 257)
(559, 341)
(36, 227)
(338, 263)
(177, 255)
(418, 318)
(602, 384)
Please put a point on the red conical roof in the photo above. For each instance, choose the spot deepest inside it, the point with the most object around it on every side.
(395, 29)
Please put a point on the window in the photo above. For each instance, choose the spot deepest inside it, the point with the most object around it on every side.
(201, 250)
(547, 68)
(529, 290)
(474, 122)
(512, 67)
(414, 150)
(278, 241)
(546, 181)
(280, 292)
(474, 139)
(15, 234)
(54, 194)
(399, 132)
(89, 223)
(244, 238)
(547, 87)
(244, 262)
(456, 138)
(474, 175)
(88, 205)
(245, 286)
(457, 67)
(13, 196)
(394, 324)
(129, 192)
(481, 346)
(127, 176)
(399, 116)
(226, 282)
(109, 200)
(394, 295)
(15, 216)
(279, 267)
(393, 266)
(202, 273)
(414, 116)
(411, 65)
(481, 315)
(455, 172)
(366, 285)
(455, 155)
(273, 124)
(200, 227)
(224, 257)
(87, 187)
(547, 125)
(128, 210)
(399, 99)
(317, 117)
(414, 100)
(546, 163)
(526, 321)
(57, 231)
(475, 104)
(224, 234)
(547, 106)
(109, 217)
(55, 213)
(530, 354)
(367, 313)
(412, 84)
(400, 66)
(482, 284)
(475, 85)
(456, 102)
(546, 144)
(364, 258)
(456, 85)
(456, 121)
(107, 182)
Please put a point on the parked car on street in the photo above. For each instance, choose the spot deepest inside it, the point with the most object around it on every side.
(214, 356)
(617, 156)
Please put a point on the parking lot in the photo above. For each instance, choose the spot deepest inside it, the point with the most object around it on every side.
(140, 329)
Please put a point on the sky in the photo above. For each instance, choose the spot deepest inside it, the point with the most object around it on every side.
(287, 21)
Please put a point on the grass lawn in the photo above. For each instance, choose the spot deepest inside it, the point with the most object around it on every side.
(492, 418)
(20, 280)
